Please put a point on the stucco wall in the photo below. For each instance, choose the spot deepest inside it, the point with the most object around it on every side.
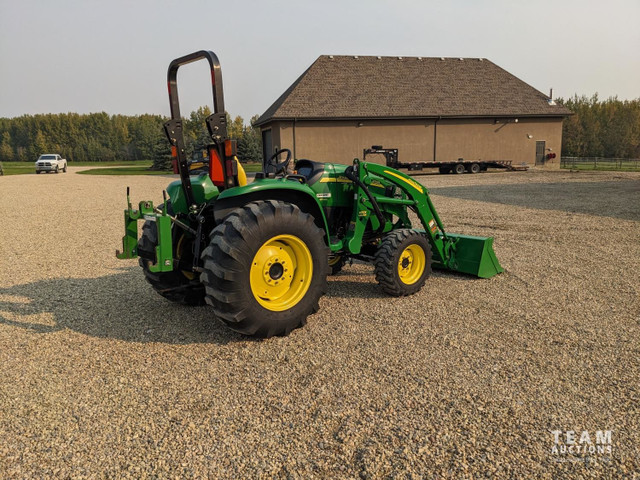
(480, 139)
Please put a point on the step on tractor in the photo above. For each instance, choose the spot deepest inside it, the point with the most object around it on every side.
(259, 253)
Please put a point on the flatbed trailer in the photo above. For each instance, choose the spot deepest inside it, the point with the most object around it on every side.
(459, 166)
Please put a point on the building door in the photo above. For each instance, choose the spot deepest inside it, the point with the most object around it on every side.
(540, 149)
(267, 145)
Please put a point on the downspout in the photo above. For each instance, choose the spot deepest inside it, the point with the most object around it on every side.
(435, 136)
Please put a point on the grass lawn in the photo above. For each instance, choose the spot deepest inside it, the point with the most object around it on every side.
(124, 171)
(252, 167)
(140, 167)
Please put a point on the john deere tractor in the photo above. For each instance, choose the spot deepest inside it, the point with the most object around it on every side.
(259, 253)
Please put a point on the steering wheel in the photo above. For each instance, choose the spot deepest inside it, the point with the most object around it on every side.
(275, 167)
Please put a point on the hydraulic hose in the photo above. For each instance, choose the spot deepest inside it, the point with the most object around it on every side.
(354, 178)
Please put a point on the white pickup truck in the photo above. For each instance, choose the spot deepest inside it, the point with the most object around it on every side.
(51, 162)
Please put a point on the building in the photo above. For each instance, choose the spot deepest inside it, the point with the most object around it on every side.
(430, 109)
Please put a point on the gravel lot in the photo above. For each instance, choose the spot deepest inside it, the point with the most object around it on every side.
(101, 377)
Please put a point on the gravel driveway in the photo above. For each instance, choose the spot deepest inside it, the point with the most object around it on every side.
(100, 377)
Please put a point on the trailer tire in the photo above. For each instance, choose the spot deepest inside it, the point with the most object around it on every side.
(403, 262)
(459, 168)
(176, 285)
(265, 268)
(474, 168)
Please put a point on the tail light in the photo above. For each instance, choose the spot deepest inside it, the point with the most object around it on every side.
(215, 167)
(174, 158)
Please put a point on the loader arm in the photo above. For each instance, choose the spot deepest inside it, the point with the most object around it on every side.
(460, 253)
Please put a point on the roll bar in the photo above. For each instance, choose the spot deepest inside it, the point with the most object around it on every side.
(216, 122)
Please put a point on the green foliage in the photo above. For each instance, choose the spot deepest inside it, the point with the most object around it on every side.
(98, 137)
(609, 128)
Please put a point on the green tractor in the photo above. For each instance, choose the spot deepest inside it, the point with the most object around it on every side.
(259, 253)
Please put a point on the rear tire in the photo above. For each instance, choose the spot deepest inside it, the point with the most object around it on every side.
(265, 268)
(176, 285)
(403, 262)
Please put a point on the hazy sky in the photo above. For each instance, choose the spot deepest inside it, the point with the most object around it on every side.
(112, 55)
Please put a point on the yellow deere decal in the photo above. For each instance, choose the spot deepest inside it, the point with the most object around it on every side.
(415, 185)
(335, 180)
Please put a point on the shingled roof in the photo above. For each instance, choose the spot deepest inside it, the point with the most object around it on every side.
(343, 87)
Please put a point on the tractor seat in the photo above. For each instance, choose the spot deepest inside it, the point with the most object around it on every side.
(310, 170)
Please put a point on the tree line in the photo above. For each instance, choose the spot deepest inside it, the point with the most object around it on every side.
(103, 137)
(598, 128)
(601, 128)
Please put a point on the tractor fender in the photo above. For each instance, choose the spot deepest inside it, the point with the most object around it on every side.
(282, 190)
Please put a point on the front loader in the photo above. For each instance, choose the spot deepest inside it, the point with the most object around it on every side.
(259, 253)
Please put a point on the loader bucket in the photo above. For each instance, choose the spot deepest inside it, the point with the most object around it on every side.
(475, 256)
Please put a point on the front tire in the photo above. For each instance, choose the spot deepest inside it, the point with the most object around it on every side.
(177, 286)
(403, 262)
(265, 268)
(336, 262)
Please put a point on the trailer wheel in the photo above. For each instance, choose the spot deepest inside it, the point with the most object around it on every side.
(403, 262)
(474, 168)
(459, 168)
(265, 268)
(177, 286)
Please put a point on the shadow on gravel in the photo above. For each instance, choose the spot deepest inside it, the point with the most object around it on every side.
(123, 306)
(617, 199)
(120, 306)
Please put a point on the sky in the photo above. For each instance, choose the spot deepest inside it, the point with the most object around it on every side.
(87, 56)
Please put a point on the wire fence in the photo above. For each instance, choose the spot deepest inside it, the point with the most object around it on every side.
(600, 163)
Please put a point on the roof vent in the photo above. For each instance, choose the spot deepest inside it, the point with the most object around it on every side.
(481, 59)
(419, 58)
(461, 59)
(379, 58)
(331, 57)
(399, 58)
(442, 58)
(551, 102)
(355, 56)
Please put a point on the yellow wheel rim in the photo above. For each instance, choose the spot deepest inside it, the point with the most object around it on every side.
(281, 272)
(411, 264)
(334, 260)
